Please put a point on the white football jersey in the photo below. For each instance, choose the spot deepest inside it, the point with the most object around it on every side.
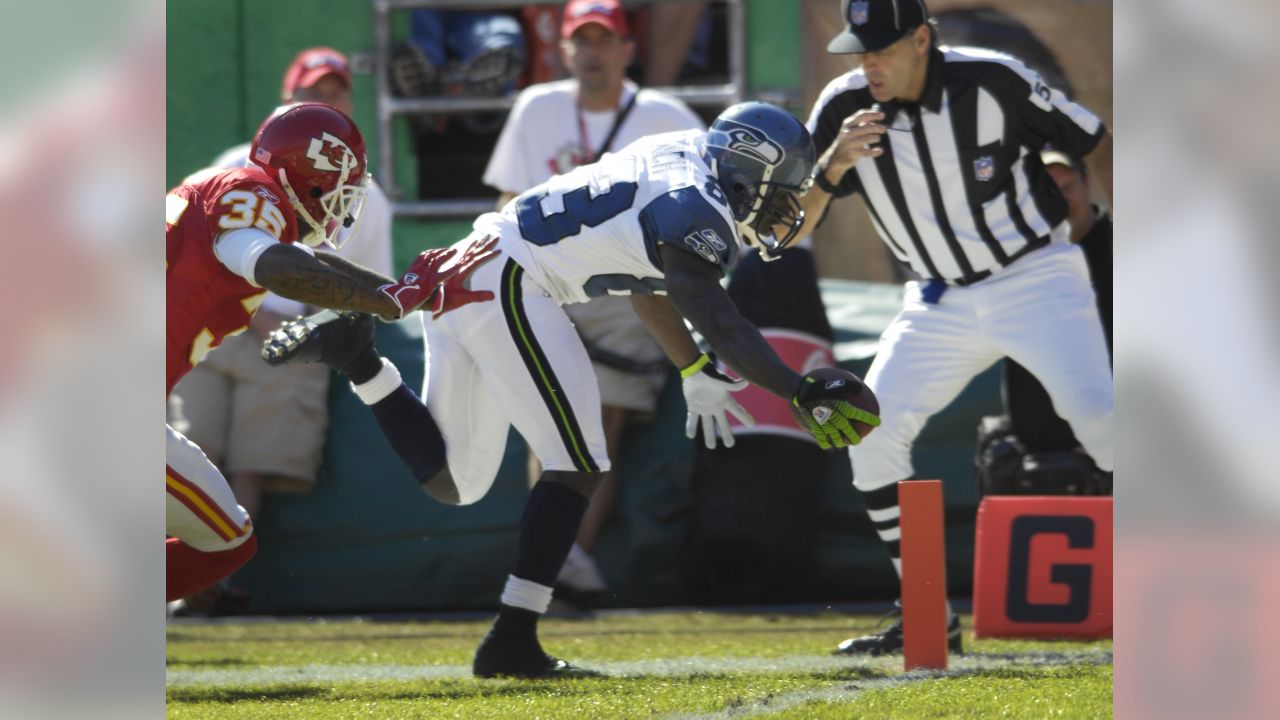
(596, 229)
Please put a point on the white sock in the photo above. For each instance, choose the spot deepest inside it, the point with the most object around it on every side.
(526, 594)
(379, 386)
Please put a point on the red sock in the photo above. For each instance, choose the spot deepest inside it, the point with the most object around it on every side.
(188, 571)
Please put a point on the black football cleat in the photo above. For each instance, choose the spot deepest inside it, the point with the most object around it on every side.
(889, 640)
(522, 658)
(330, 337)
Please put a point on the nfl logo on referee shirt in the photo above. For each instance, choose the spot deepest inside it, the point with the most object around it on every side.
(984, 168)
(858, 12)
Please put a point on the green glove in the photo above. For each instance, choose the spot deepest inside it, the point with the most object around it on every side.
(821, 406)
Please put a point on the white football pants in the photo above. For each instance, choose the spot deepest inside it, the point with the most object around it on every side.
(200, 509)
(1040, 311)
(514, 360)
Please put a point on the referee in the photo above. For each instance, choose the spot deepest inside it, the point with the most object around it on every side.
(944, 146)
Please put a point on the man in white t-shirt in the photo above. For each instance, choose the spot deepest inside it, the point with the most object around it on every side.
(553, 128)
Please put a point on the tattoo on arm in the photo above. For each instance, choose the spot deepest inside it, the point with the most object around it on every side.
(292, 273)
(694, 288)
(367, 276)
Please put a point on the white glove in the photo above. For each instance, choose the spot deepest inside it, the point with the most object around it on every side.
(706, 393)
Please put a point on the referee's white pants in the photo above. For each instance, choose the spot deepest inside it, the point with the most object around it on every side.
(1041, 311)
(515, 360)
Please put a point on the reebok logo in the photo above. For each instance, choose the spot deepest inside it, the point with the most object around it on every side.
(707, 244)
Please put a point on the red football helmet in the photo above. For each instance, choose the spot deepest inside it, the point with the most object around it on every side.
(317, 154)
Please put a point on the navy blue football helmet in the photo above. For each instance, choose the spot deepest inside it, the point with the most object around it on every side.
(763, 158)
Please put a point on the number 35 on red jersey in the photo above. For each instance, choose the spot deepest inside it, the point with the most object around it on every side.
(205, 302)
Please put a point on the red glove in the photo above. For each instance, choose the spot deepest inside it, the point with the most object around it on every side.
(431, 281)
(453, 290)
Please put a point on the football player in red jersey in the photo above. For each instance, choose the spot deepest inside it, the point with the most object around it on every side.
(232, 235)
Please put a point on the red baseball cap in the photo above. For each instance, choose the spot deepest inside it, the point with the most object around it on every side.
(312, 64)
(606, 12)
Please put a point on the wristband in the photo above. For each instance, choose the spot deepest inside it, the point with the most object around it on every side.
(695, 367)
(379, 386)
(820, 179)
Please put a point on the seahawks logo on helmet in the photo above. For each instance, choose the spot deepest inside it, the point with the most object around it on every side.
(751, 142)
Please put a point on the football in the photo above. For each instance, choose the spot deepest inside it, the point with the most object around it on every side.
(836, 384)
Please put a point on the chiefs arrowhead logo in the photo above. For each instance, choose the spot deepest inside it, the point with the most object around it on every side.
(329, 153)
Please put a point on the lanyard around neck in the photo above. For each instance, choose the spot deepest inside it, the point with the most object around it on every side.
(619, 114)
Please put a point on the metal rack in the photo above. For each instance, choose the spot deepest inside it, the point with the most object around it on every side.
(390, 106)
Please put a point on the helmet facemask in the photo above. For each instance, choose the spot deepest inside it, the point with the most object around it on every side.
(337, 212)
(331, 214)
(759, 208)
(776, 205)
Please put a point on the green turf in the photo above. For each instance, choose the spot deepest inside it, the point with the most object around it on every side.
(672, 665)
(1071, 691)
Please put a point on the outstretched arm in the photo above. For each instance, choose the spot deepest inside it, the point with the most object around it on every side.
(292, 273)
(693, 285)
(367, 276)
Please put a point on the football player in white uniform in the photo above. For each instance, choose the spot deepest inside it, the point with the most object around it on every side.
(659, 221)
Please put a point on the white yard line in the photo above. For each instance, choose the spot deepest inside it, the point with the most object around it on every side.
(846, 691)
(674, 667)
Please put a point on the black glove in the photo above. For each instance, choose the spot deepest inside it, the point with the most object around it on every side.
(341, 340)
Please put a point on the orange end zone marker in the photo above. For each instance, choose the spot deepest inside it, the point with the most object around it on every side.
(924, 575)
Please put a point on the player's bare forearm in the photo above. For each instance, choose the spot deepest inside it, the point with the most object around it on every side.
(694, 288)
(359, 272)
(667, 326)
(292, 273)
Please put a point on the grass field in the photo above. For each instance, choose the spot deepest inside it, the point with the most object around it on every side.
(660, 664)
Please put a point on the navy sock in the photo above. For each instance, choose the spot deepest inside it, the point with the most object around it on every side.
(547, 531)
(516, 622)
(412, 432)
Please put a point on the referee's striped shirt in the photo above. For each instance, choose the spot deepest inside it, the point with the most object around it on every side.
(960, 191)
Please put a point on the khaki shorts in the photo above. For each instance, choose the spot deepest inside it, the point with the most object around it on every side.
(250, 417)
(611, 323)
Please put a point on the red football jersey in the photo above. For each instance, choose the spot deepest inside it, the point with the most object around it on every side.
(205, 302)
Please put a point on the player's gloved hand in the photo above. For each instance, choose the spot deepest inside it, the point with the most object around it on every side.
(433, 282)
(707, 395)
(454, 292)
(827, 415)
(337, 339)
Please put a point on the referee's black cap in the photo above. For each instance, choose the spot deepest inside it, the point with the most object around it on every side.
(875, 24)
